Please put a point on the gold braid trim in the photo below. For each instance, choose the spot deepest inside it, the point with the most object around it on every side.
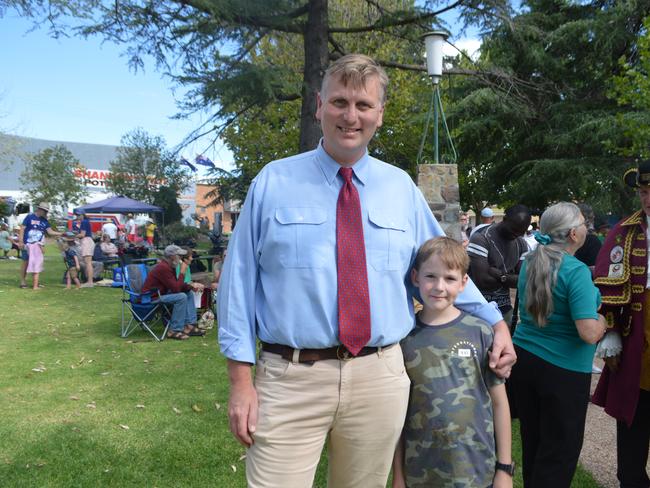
(633, 219)
(627, 248)
(639, 252)
(619, 299)
(638, 270)
(637, 289)
(636, 307)
(609, 318)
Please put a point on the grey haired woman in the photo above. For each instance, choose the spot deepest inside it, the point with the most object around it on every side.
(555, 343)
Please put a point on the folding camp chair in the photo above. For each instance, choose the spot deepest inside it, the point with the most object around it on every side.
(140, 309)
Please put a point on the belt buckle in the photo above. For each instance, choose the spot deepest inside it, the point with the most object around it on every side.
(343, 354)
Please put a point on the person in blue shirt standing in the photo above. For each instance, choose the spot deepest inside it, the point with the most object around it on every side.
(33, 231)
(317, 271)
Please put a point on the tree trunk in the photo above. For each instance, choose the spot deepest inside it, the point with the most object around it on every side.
(316, 60)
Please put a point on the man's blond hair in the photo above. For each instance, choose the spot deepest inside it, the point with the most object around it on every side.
(356, 69)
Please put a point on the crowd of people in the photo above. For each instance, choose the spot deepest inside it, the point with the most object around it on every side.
(81, 249)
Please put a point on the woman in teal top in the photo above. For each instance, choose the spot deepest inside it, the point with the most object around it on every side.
(555, 343)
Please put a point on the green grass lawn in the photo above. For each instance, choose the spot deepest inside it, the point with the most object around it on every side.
(83, 407)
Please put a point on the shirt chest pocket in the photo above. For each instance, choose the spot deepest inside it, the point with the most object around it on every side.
(387, 241)
(300, 236)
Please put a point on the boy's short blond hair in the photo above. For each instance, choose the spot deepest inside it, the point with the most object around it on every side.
(356, 69)
(451, 253)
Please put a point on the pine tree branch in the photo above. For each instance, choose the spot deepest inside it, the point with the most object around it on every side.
(383, 24)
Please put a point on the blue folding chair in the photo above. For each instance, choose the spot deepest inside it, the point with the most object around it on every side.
(140, 310)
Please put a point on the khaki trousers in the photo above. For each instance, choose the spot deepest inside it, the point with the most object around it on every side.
(360, 404)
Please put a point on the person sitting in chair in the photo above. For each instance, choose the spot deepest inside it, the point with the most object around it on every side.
(107, 247)
(173, 290)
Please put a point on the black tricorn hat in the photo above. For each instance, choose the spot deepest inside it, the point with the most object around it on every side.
(637, 177)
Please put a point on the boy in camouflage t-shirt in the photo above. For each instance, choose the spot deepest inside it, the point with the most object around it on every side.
(457, 404)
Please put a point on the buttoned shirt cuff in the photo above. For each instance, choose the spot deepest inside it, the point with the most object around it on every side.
(236, 348)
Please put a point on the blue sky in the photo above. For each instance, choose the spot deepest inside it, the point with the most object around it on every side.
(81, 90)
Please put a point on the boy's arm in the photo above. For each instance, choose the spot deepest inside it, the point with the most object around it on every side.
(398, 464)
(76, 262)
(502, 432)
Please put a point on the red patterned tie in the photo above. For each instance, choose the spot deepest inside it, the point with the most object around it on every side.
(354, 299)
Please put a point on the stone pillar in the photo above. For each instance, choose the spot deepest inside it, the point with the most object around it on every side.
(439, 185)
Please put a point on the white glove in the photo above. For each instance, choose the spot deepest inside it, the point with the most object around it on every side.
(610, 345)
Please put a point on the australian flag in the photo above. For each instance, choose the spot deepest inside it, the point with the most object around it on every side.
(187, 163)
(203, 161)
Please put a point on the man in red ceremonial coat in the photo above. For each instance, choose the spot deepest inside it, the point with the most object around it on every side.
(624, 387)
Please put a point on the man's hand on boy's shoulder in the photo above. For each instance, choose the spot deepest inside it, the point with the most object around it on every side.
(502, 356)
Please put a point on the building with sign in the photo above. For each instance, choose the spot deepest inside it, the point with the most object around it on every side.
(96, 158)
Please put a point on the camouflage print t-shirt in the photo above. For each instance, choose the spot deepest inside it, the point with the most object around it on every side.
(449, 430)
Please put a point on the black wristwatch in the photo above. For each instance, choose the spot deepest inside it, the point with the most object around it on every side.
(504, 278)
(508, 468)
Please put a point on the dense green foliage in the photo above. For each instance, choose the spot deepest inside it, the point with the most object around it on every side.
(180, 234)
(48, 176)
(548, 130)
(143, 165)
(165, 197)
(632, 90)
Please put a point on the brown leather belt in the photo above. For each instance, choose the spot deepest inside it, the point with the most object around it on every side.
(310, 355)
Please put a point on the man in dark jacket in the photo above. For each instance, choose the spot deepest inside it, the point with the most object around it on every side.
(624, 387)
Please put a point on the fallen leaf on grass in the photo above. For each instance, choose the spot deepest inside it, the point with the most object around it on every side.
(74, 397)
(176, 411)
(242, 457)
(196, 408)
(105, 373)
(125, 427)
(234, 468)
(83, 358)
(91, 405)
(139, 406)
(40, 369)
(217, 406)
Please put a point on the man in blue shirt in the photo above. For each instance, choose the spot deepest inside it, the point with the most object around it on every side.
(33, 229)
(280, 284)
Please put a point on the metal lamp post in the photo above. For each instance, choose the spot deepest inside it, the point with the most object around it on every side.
(433, 42)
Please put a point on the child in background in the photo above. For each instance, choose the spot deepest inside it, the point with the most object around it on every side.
(5, 240)
(457, 406)
(73, 267)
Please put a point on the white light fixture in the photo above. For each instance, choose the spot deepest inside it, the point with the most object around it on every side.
(433, 42)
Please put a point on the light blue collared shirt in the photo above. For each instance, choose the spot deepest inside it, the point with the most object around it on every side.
(278, 281)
